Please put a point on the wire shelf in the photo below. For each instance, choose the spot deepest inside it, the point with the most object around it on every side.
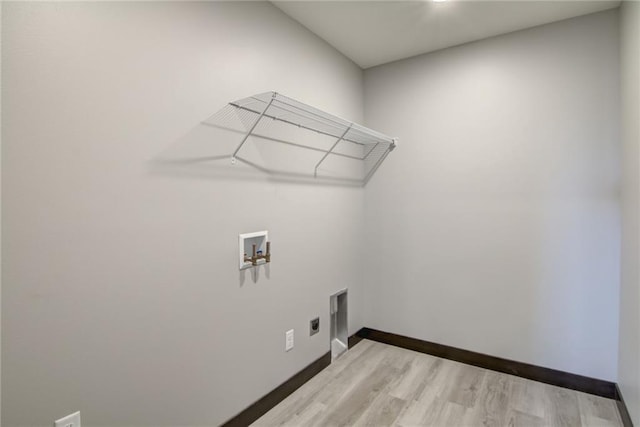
(270, 127)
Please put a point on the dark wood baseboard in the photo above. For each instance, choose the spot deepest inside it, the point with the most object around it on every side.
(263, 405)
(354, 339)
(277, 395)
(622, 409)
(546, 375)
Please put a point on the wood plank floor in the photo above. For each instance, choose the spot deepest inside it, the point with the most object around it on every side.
(375, 384)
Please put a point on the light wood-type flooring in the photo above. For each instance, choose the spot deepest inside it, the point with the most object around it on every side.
(376, 384)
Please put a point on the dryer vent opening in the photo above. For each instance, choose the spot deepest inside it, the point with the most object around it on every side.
(339, 330)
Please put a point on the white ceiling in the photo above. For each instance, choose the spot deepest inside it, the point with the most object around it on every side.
(376, 32)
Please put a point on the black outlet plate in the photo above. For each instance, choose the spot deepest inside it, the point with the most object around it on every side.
(314, 326)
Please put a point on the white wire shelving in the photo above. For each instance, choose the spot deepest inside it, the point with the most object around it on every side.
(270, 127)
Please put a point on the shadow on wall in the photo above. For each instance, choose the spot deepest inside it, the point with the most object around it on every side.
(206, 152)
(269, 136)
(255, 273)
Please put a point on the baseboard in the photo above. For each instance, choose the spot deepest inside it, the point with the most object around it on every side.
(277, 395)
(545, 375)
(622, 409)
(354, 339)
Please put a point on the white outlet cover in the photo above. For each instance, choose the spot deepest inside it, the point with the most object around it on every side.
(72, 420)
(288, 341)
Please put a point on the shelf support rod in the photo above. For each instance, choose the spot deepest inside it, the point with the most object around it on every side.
(315, 171)
(233, 156)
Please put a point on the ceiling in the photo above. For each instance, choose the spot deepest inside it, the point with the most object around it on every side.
(371, 33)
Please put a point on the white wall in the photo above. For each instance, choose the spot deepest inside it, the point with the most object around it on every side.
(629, 353)
(121, 291)
(494, 226)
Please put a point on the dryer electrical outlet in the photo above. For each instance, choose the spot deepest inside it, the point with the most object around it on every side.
(314, 326)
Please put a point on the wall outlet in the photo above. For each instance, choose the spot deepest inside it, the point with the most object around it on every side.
(314, 326)
(72, 420)
(288, 345)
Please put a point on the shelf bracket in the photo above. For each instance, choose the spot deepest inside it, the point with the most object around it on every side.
(315, 171)
(380, 160)
(233, 156)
